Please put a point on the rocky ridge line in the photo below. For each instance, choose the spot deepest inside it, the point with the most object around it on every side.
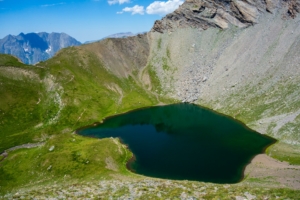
(203, 14)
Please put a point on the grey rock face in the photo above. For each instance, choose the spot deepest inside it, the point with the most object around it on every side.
(203, 14)
(35, 47)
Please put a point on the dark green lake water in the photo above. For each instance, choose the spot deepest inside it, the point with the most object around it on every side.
(184, 142)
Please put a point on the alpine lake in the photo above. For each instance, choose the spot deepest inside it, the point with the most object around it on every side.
(183, 142)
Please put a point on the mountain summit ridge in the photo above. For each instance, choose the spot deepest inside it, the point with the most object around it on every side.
(224, 13)
(35, 47)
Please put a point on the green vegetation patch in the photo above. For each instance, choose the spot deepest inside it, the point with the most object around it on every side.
(168, 53)
(159, 43)
(63, 158)
(8, 60)
(285, 152)
(165, 66)
(25, 104)
(50, 101)
(155, 81)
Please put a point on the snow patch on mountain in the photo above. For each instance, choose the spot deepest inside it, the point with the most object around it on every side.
(49, 49)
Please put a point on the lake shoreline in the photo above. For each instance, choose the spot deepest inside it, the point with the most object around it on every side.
(183, 129)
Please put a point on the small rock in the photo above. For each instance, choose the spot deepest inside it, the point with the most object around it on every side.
(51, 148)
(226, 186)
(202, 188)
(183, 195)
(249, 196)
(5, 154)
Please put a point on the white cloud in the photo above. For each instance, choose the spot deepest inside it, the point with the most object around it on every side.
(111, 2)
(134, 10)
(55, 4)
(162, 7)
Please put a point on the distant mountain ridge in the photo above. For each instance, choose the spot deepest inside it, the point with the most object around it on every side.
(116, 35)
(31, 48)
(120, 35)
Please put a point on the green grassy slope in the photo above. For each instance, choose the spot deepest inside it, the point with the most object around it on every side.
(24, 102)
(47, 102)
(73, 158)
(8, 60)
(90, 91)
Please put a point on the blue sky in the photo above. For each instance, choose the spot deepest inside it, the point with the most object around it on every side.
(84, 20)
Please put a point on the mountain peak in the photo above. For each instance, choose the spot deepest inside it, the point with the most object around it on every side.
(35, 47)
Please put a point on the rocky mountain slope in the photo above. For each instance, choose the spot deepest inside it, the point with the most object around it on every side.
(202, 14)
(240, 58)
(248, 68)
(35, 47)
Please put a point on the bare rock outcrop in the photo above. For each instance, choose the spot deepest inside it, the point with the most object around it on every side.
(203, 14)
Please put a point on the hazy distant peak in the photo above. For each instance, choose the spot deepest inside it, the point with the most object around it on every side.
(35, 47)
(116, 35)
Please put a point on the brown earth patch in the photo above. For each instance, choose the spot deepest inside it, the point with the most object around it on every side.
(281, 174)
